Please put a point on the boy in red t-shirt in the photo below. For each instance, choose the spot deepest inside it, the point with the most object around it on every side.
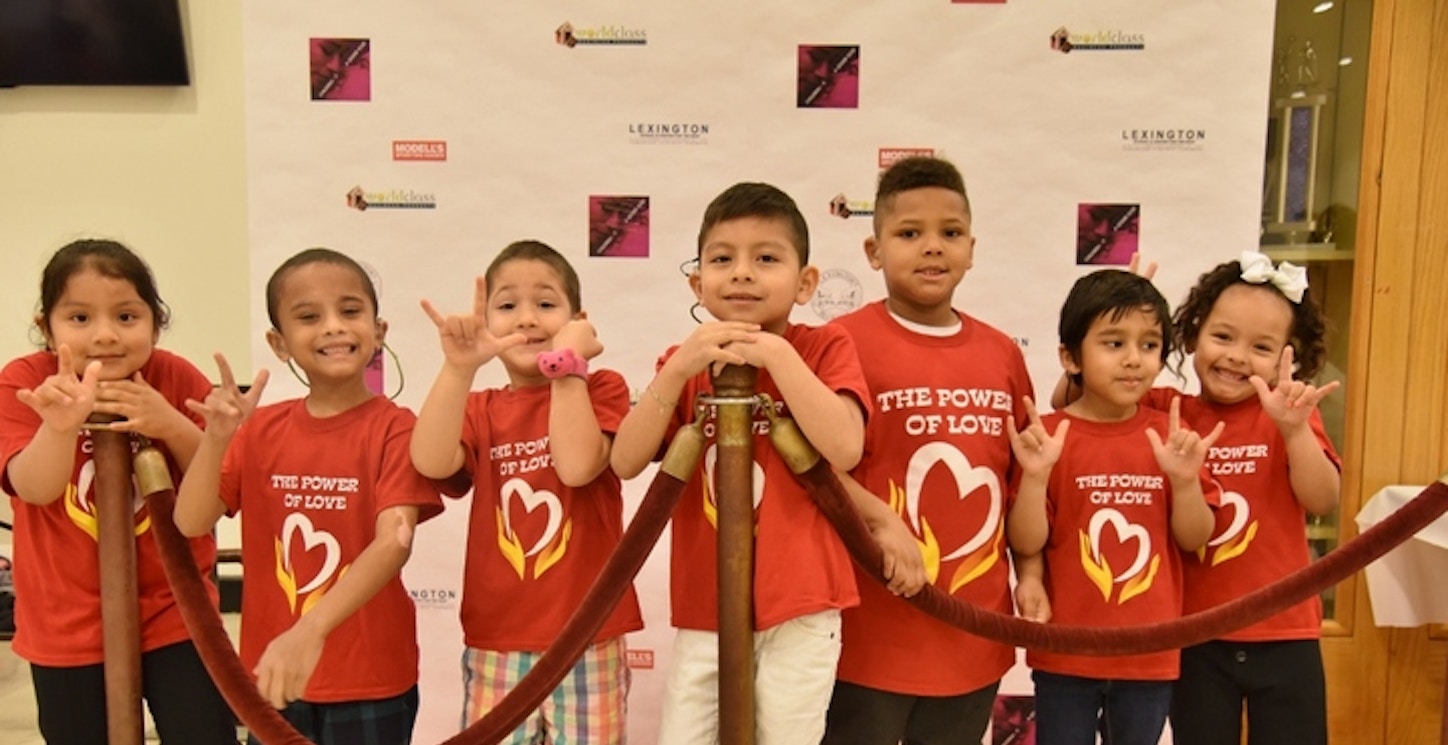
(1110, 514)
(933, 497)
(546, 511)
(753, 269)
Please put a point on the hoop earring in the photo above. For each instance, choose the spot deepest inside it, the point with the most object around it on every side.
(298, 375)
(401, 376)
(694, 312)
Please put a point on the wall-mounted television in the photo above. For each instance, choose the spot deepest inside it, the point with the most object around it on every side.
(92, 42)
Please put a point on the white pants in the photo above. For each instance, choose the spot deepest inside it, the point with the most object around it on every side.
(794, 675)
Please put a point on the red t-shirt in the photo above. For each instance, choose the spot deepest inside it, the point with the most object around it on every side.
(1261, 532)
(309, 491)
(535, 545)
(57, 569)
(800, 565)
(937, 452)
(1111, 559)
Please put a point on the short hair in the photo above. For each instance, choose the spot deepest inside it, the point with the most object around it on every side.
(1109, 292)
(531, 250)
(916, 172)
(109, 259)
(313, 256)
(760, 200)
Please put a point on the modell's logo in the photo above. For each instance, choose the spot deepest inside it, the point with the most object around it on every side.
(1066, 42)
(419, 149)
(1163, 139)
(889, 156)
(568, 36)
(392, 199)
(842, 207)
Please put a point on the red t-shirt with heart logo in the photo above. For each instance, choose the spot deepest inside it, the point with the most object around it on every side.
(535, 545)
(309, 491)
(1111, 560)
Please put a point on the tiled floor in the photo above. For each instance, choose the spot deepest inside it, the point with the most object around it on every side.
(17, 700)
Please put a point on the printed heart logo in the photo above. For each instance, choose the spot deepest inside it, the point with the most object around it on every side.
(299, 524)
(968, 480)
(711, 456)
(1125, 532)
(1240, 514)
(521, 491)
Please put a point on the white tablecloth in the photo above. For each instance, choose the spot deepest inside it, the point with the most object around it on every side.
(1408, 586)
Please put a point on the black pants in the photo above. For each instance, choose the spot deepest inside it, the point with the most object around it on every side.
(184, 704)
(866, 716)
(1281, 684)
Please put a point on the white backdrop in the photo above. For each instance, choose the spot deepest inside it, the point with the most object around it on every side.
(1157, 105)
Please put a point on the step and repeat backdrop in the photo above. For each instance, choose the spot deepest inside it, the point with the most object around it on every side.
(421, 139)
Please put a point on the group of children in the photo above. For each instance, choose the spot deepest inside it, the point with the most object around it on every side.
(1127, 505)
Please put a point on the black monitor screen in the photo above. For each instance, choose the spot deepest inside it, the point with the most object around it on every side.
(91, 42)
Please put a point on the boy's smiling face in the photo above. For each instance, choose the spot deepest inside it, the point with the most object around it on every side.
(923, 249)
(750, 271)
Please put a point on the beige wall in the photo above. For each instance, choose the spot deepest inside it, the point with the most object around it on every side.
(160, 169)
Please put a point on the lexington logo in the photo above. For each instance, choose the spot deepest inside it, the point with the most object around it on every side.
(433, 150)
(669, 133)
(1066, 42)
(1163, 139)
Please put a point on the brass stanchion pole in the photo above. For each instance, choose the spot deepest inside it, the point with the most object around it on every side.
(120, 609)
(734, 497)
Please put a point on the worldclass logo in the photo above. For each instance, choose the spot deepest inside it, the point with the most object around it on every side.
(566, 35)
(1066, 42)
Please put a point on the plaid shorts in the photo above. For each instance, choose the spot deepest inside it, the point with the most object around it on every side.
(386, 721)
(587, 708)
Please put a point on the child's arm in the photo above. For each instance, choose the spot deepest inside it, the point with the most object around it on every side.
(437, 450)
(579, 446)
(289, 660)
(831, 421)
(904, 567)
(642, 429)
(147, 412)
(198, 499)
(1036, 452)
(1032, 603)
(40, 472)
(1181, 457)
(1315, 480)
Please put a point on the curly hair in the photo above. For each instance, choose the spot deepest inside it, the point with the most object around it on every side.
(1309, 326)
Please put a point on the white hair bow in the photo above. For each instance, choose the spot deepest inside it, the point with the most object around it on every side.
(1287, 277)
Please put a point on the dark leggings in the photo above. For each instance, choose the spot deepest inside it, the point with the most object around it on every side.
(184, 704)
(866, 716)
(1281, 683)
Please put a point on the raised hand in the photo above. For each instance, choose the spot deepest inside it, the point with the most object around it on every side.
(580, 336)
(63, 400)
(1289, 402)
(1136, 268)
(1183, 453)
(1036, 450)
(226, 407)
(466, 341)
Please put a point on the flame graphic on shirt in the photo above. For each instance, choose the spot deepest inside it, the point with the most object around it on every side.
(550, 547)
(1138, 577)
(314, 589)
(82, 512)
(1236, 537)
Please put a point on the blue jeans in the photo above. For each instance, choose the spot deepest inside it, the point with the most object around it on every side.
(1072, 710)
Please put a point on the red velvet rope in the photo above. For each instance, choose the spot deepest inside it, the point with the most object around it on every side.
(203, 621)
(1175, 634)
(235, 684)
